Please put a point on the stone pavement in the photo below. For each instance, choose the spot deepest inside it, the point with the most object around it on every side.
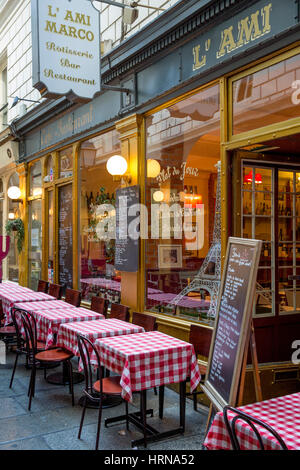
(53, 423)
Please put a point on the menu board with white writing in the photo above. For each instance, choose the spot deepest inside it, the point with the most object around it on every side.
(65, 236)
(233, 320)
(127, 229)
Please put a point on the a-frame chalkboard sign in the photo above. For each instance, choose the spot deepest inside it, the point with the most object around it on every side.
(233, 332)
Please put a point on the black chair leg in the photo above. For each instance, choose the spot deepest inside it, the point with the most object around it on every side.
(99, 424)
(195, 401)
(161, 401)
(82, 417)
(182, 405)
(143, 414)
(14, 370)
(71, 381)
(31, 386)
(126, 411)
(155, 390)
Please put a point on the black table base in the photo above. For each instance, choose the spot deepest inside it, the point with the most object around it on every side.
(139, 420)
(59, 378)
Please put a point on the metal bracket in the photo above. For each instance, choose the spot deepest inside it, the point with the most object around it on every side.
(116, 88)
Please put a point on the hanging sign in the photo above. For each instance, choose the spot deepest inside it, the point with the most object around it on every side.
(66, 48)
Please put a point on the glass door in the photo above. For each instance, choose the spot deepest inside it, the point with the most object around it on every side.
(35, 242)
(271, 213)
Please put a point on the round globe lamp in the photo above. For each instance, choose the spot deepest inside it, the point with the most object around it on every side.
(158, 196)
(14, 192)
(116, 165)
(153, 168)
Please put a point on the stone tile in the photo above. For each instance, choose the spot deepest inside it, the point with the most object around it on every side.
(37, 443)
(10, 407)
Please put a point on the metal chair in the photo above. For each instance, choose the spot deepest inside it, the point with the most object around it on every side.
(44, 357)
(94, 391)
(119, 311)
(99, 305)
(148, 322)
(43, 286)
(55, 290)
(251, 421)
(7, 332)
(73, 297)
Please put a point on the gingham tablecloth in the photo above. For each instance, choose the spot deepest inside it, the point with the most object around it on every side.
(46, 305)
(147, 360)
(49, 321)
(13, 295)
(67, 334)
(282, 414)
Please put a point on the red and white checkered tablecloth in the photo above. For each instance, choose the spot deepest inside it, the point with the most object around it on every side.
(67, 334)
(49, 321)
(36, 306)
(147, 360)
(11, 297)
(282, 414)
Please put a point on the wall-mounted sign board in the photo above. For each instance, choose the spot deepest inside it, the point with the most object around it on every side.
(127, 232)
(232, 330)
(65, 48)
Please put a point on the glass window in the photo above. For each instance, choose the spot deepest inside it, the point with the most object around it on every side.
(13, 213)
(35, 242)
(66, 163)
(50, 238)
(182, 150)
(35, 183)
(49, 170)
(266, 97)
(98, 187)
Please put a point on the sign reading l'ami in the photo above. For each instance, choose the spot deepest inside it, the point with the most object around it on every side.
(66, 48)
(232, 328)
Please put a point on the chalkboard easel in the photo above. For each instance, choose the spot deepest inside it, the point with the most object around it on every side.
(233, 332)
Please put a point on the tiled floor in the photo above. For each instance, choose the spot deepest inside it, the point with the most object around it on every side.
(53, 423)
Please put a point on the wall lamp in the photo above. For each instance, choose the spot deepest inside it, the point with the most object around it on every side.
(131, 12)
(17, 99)
(117, 167)
(14, 193)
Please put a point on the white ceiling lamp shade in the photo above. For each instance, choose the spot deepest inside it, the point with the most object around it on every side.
(116, 165)
(158, 196)
(14, 192)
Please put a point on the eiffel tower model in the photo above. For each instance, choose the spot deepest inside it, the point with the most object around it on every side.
(208, 277)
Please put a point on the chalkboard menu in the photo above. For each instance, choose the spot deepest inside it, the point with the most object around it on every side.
(232, 325)
(127, 230)
(65, 236)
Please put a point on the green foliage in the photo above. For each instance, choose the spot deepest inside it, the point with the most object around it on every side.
(18, 226)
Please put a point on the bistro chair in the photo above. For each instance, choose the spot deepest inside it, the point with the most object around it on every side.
(99, 305)
(21, 348)
(44, 357)
(148, 322)
(252, 422)
(200, 338)
(55, 290)
(119, 311)
(7, 333)
(43, 286)
(94, 391)
(73, 297)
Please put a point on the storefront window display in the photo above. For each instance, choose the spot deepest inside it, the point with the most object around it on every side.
(35, 242)
(182, 151)
(98, 187)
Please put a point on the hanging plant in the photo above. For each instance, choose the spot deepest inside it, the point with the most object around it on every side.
(17, 226)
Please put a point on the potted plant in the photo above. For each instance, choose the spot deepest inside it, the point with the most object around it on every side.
(16, 225)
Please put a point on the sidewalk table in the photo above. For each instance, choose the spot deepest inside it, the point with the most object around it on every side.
(13, 296)
(147, 360)
(282, 414)
(49, 321)
(36, 306)
(93, 330)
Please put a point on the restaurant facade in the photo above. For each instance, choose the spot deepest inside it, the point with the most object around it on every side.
(209, 82)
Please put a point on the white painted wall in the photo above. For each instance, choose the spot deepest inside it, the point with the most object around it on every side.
(15, 42)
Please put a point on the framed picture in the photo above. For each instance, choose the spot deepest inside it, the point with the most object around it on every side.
(169, 256)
